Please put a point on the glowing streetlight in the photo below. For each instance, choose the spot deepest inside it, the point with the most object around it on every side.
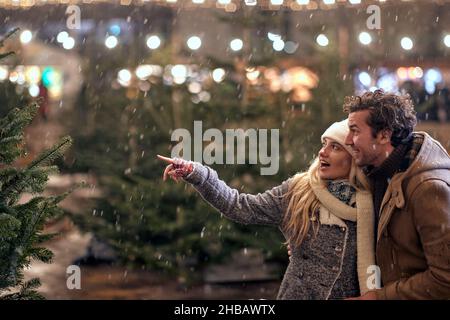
(447, 41)
(62, 36)
(278, 45)
(322, 40)
(365, 38)
(111, 42)
(236, 44)
(26, 36)
(153, 42)
(218, 74)
(69, 43)
(406, 43)
(194, 43)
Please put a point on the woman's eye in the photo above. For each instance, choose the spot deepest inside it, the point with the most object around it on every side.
(336, 147)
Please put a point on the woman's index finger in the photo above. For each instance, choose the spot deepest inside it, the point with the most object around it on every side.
(168, 160)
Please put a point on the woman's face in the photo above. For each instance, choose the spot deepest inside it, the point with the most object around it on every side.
(335, 162)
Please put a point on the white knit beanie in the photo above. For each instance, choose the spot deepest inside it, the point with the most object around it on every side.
(338, 131)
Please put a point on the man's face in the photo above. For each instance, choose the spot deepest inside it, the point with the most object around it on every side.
(367, 150)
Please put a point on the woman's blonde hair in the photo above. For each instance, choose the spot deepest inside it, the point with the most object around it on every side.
(303, 203)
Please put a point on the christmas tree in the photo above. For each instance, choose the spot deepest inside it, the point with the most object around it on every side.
(21, 223)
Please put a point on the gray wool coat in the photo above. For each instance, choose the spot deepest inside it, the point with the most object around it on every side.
(323, 267)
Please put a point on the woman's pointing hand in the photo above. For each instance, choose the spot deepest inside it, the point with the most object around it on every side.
(177, 168)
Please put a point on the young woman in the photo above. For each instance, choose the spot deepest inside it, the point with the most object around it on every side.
(325, 214)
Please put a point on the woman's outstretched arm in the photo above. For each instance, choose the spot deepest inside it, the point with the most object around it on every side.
(264, 208)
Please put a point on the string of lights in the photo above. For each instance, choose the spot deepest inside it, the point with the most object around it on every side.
(226, 5)
(194, 42)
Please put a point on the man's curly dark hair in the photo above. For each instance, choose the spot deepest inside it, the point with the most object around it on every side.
(387, 112)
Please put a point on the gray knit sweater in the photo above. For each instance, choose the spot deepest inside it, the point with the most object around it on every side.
(323, 267)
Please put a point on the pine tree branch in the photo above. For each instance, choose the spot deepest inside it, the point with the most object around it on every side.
(17, 119)
(53, 153)
(45, 158)
(13, 126)
(18, 250)
(27, 292)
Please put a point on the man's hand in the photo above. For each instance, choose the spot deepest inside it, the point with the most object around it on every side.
(177, 168)
(368, 296)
